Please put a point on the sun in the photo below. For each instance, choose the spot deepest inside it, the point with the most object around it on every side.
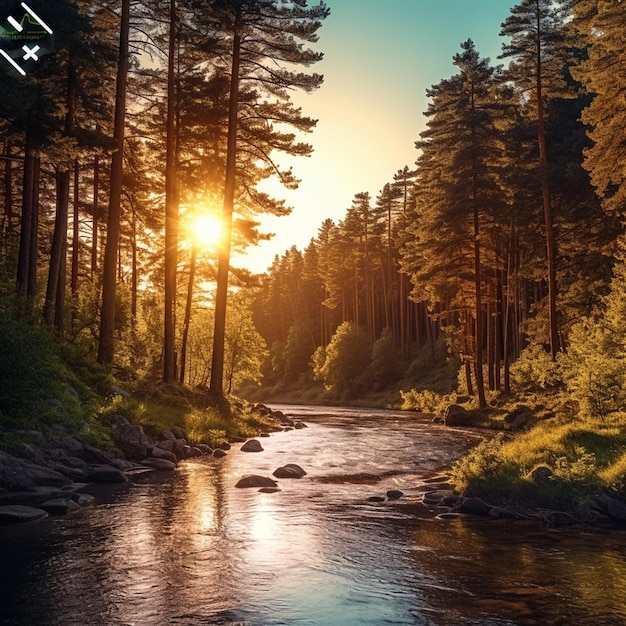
(207, 230)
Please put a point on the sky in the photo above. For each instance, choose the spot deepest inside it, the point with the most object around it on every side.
(380, 57)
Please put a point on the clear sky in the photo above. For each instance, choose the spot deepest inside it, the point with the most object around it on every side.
(379, 59)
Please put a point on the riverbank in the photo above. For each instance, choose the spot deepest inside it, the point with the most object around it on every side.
(52, 467)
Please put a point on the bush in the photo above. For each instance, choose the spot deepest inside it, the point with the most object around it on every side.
(426, 401)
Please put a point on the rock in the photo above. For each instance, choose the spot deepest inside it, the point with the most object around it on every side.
(166, 444)
(474, 506)
(32, 497)
(615, 509)
(168, 435)
(60, 506)
(19, 474)
(159, 453)
(204, 448)
(456, 415)
(269, 490)
(541, 475)
(376, 499)
(218, 453)
(264, 434)
(129, 438)
(253, 480)
(73, 473)
(179, 448)
(394, 494)
(291, 470)
(159, 464)
(70, 444)
(18, 513)
(299, 425)
(437, 496)
(83, 499)
(106, 474)
(252, 445)
(94, 455)
(179, 433)
(194, 452)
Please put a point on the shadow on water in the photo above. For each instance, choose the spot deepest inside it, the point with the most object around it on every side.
(190, 548)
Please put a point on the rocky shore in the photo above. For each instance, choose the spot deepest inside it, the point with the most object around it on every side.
(48, 475)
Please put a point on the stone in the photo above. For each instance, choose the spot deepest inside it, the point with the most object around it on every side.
(19, 513)
(269, 490)
(94, 455)
(299, 425)
(204, 448)
(394, 494)
(70, 444)
(129, 438)
(456, 415)
(106, 474)
(474, 506)
(541, 475)
(83, 499)
(60, 506)
(291, 470)
(166, 444)
(159, 453)
(168, 435)
(179, 433)
(376, 499)
(194, 452)
(19, 474)
(179, 448)
(615, 509)
(159, 464)
(218, 453)
(252, 445)
(255, 481)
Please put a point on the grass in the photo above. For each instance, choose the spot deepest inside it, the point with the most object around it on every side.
(580, 457)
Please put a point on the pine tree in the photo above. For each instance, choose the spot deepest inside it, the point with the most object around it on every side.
(536, 29)
(458, 195)
(265, 37)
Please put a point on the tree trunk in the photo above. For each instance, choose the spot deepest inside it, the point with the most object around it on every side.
(109, 283)
(26, 222)
(555, 344)
(223, 263)
(95, 217)
(171, 211)
(187, 321)
(75, 231)
(56, 274)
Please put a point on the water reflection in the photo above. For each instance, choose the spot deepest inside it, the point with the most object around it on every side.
(191, 549)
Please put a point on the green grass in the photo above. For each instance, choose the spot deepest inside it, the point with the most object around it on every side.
(583, 458)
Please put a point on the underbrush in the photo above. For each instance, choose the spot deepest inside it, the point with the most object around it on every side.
(554, 465)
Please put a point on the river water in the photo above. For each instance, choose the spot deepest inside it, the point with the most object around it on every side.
(189, 548)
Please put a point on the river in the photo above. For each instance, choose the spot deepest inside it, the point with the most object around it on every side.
(189, 548)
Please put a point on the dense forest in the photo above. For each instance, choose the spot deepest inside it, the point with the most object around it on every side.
(497, 255)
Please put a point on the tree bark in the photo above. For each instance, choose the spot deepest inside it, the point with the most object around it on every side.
(109, 283)
(216, 386)
(171, 211)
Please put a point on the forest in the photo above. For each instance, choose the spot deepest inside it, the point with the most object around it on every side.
(490, 267)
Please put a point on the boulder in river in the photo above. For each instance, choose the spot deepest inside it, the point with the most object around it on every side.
(254, 480)
(252, 445)
(17, 513)
(291, 470)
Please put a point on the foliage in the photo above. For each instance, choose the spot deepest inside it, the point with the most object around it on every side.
(426, 401)
(535, 369)
(385, 364)
(38, 388)
(348, 357)
(581, 458)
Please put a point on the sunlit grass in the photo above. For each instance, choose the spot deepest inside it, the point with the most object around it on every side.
(580, 457)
